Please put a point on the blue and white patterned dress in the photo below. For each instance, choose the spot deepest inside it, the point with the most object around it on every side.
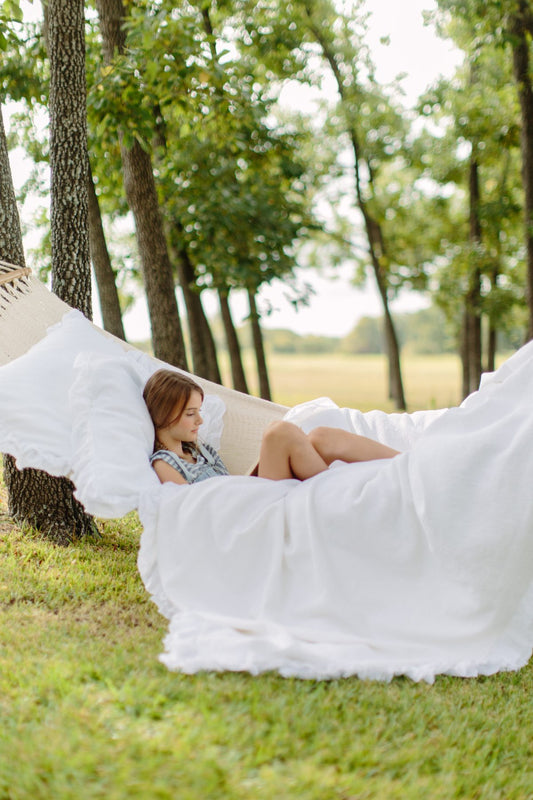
(208, 462)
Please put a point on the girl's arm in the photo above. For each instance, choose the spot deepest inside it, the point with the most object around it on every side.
(166, 473)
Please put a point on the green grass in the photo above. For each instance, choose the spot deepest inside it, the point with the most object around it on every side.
(87, 711)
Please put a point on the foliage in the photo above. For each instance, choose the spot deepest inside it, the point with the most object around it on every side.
(231, 186)
(473, 116)
(243, 183)
(421, 332)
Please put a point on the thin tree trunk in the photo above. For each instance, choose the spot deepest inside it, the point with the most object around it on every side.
(372, 227)
(103, 271)
(519, 24)
(232, 341)
(141, 194)
(203, 347)
(257, 335)
(471, 350)
(492, 346)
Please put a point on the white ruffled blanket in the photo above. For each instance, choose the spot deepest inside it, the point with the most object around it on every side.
(420, 565)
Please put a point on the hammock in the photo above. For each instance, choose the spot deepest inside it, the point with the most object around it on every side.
(28, 309)
(418, 565)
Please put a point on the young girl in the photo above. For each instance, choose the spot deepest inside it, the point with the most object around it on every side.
(174, 403)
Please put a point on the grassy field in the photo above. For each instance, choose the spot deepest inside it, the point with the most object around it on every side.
(88, 712)
(358, 381)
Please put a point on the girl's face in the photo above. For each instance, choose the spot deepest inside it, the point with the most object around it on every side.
(184, 428)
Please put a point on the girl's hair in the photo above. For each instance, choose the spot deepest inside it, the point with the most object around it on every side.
(166, 395)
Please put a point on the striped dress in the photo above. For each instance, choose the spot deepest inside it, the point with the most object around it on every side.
(208, 462)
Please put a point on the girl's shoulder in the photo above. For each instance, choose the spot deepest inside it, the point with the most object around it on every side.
(164, 455)
(203, 447)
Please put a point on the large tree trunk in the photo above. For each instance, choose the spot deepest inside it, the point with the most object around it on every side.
(69, 160)
(257, 335)
(232, 341)
(103, 271)
(141, 194)
(471, 332)
(35, 497)
(519, 24)
(46, 503)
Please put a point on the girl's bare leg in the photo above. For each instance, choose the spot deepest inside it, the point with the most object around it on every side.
(334, 444)
(286, 452)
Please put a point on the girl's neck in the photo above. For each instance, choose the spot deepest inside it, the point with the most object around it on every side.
(174, 447)
(178, 447)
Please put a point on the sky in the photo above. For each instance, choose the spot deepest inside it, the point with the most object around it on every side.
(336, 305)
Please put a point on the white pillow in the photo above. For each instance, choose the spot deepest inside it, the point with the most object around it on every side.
(35, 419)
(113, 434)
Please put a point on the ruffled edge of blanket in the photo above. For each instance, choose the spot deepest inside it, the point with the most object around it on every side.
(196, 642)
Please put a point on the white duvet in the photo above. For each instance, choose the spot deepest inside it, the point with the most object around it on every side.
(419, 565)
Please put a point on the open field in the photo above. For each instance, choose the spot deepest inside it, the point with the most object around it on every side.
(359, 381)
(88, 713)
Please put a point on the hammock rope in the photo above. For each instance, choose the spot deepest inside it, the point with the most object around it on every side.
(13, 281)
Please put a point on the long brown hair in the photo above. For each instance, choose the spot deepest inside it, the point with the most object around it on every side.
(166, 395)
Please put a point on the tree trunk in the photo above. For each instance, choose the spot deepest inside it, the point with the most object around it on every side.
(471, 349)
(35, 497)
(103, 271)
(69, 159)
(232, 341)
(492, 347)
(46, 503)
(11, 248)
(372, 226)
(203, 350)
(520, 45)
(204, 355)
(257, 335)
(141, 194)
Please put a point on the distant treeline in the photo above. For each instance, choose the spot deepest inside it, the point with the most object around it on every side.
(424, 332)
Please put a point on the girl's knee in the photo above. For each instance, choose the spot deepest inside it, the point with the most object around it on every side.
(280, 430)
(319, 437)
(325, 442)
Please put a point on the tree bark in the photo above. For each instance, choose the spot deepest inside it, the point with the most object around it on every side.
(11, 248)
(232, 341)
(103, 271)
(203, 349)
(257, 335)
(519, 23)
(492, 347)
(141, 194)
(471, 349)
(69, 160)
(36, 498)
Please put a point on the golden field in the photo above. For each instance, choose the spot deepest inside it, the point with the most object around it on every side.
(358, 381)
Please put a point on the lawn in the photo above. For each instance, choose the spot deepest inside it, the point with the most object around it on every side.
(88, 711)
